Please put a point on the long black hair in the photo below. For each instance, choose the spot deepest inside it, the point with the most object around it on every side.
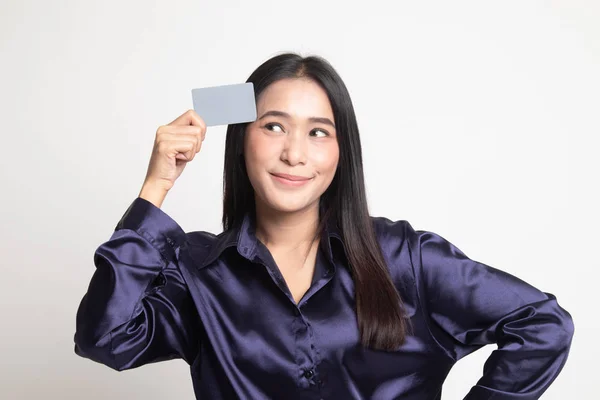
(379, 308)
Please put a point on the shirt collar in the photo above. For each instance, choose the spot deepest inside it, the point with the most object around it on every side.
(244, 239)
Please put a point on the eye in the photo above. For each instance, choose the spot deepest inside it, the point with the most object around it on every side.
(270, 125)
(322, 132)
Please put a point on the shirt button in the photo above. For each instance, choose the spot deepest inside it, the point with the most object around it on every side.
(309, 373)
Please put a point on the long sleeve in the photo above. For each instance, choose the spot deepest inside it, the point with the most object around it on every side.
(137, 308)
(470, 304)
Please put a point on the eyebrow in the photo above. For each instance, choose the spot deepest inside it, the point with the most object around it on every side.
(275, 113)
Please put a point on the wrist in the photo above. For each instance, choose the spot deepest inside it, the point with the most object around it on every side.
(153, 193)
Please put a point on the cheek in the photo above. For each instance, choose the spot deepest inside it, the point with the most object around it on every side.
(326, 160)
(258, 152)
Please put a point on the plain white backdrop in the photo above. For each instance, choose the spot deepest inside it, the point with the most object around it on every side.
(479, 121)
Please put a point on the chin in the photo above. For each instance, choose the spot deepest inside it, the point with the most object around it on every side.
(288, 207)
(288, 204)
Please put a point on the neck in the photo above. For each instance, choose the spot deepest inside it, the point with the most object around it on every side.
(287, 230)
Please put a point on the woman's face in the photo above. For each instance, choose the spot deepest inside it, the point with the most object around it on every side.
(291, 150)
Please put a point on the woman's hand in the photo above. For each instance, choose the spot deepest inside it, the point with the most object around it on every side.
(176, 144)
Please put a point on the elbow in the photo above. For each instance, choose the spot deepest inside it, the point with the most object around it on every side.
(565, 327)
(564, 337)
(119, 349)
(568, 327)
(89, 346)
(92, 338)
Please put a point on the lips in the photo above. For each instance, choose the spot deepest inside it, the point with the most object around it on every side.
(295, 178)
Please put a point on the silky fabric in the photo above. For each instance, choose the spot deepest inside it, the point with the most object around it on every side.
(221, 304)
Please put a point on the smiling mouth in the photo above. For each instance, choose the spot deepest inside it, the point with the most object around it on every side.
(294, 178)
(291, 180)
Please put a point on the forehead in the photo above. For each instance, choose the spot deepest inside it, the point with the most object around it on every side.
(301, 97)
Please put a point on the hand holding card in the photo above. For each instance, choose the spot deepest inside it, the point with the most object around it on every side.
(178, 142)
(175, 145)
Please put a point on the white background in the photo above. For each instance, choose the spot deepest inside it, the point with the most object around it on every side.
(479, 121)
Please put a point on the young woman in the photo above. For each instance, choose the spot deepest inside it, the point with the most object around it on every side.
(305, 295)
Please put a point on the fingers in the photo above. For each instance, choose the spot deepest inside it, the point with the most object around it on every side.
(181, 129)
(189, 131)
(190, 117)
(181, 149)
(182, 137)
(195, 140)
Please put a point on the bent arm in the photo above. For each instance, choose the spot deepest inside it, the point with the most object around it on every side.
(137, 308)
(470, 304)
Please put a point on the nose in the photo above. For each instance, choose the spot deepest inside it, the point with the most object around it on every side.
(295, 149)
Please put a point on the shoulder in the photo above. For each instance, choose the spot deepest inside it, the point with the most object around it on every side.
(204, 247)
(396, 239)
(394, 232)
(407, 248)
(386, 226)
(398, 233)
(210, 240)
(202, 238)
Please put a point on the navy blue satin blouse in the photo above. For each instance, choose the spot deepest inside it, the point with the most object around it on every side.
(221, 304)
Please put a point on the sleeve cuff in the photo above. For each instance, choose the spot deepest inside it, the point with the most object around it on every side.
(154, 225)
